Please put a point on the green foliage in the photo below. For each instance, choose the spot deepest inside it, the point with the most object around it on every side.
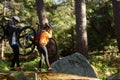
(25, 10)
(3, 65)
(112, 45)
(1, 7)
(103, 64)
(31, 65)
(100, 27)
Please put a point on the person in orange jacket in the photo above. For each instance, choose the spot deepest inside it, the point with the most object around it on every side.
(43, 40)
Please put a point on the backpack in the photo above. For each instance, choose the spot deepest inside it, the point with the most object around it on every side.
(37, 37)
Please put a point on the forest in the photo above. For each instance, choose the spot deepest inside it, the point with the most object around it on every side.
(93, 29)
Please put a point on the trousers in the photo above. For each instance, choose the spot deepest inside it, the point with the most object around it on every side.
(15, 59)
(44, 56)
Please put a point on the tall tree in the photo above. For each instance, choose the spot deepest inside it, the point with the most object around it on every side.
(81, 33)
(41, 12)
(3, 42)
(116, 11)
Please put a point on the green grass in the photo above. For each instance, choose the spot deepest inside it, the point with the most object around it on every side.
(27, 65)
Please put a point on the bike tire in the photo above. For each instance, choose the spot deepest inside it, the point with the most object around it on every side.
(52, 50)
(26, 51)
(52, 45)
(26, 37)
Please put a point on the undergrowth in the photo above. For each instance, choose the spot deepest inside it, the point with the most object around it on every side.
(105, 64)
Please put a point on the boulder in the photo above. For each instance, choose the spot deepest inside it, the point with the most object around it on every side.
(75, 64)
(114, 77)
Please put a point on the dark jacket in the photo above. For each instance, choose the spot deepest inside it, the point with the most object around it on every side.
(9, 30)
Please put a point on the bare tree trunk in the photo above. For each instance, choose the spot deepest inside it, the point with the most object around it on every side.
(3, 42)
(3, 49)
(81, 32)
(41, 12)
(116, 11)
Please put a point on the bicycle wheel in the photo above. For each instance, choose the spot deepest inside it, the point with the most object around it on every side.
(2, 33)
(26, 51)
(52, 50)
(26, 37)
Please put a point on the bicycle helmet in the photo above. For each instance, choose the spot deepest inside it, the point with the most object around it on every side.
(16, 18)
(48, 25)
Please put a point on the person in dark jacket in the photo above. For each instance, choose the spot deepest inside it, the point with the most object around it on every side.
(12, 30)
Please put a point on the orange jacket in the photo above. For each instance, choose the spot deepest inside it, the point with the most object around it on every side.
(44, 38)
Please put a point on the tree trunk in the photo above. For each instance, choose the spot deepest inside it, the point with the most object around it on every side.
(3, 42)
(116, 11)
(81, 33)
(41, 12)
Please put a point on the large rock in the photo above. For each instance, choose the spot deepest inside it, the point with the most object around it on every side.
(75, 64)
(114, 77)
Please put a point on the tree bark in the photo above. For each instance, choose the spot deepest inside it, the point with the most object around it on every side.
(3, 42)
(81, 32)
(41, 13)
(116, 11)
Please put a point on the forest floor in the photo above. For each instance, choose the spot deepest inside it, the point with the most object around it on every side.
(21, 75)
(105, 64)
